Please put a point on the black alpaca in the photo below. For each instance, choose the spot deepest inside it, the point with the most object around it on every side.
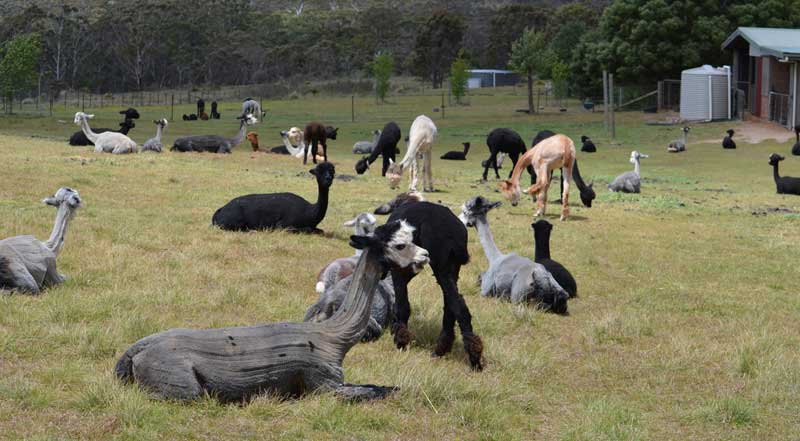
(201, 106)
(796, 147)
(79, 138)
(588, 146)
(506, 141)
(586, 191)
(214, 113)
(541, 238)
(386, 147)
(727, 142)
(278, 210)
(446, 239)
(786, 184)
(455, 155)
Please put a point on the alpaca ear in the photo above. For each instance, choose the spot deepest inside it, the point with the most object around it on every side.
(494, 205)
(313, 171)
(50, 201)
(591, 184)
(350, 223)
(390, 161)
(360, 242)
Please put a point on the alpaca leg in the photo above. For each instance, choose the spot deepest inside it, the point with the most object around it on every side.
(427, 177)
(325, 150)
(454, 301)
(566, 174)
(414, 175)
(305, 153)
(385, 164)
(23, 279)
(402, 336)
(492, 161)
(444, 343)
(514, 157)
(314, 150)
(540, 189)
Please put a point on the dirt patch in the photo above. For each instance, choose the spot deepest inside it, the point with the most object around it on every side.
(754, 132)
(769, 210)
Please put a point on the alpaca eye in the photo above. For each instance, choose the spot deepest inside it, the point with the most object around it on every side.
(400, 247)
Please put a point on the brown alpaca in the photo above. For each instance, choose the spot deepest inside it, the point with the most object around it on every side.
(204, 116)
(253, 138)
(316, 134)
(555, 152)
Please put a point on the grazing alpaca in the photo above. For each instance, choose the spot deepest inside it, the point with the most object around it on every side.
(366, 147)
(679, 145)
(213, 143)
(786, 184)
(154, 144)
(285, 359)
(214, 113)
(510, 276)
(251, 107)
(557, 151)
(727, 142)
(314, 135)
(421, 137)
(586, 191)
(503, 141)
(29, 265)
(109, 142)
(363, 225)
(541, 238)
(386, 147)
(629, 182)
(446, 236)
(455, 155)
(278, 210)
(796, 147)
(79, 138)
(253, 138)
(588, 146)
(400, 199)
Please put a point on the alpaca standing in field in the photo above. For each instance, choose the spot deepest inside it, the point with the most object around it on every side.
(510, 276)
(421, 138)
(503, 141)
(386, 147)
(786, 184)
(587, 193)
(727, 142)
(108, 142)
(154, 144)
(251, 107)
(629, 182)
(213, 143)
(332, 273)
(28, 264)
(316, 134)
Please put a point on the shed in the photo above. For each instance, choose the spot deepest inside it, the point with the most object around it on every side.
(492, 78)
(705, 93)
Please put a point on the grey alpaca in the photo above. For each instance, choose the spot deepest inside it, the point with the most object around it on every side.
(365, 147)
(213, 143)
(629, 182)
(363, 225)
(154, 144)
(510, 276)
(28, 264)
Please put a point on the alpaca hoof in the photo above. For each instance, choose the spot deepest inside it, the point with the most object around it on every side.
(402, 336)
(473, 345)
(444, 344)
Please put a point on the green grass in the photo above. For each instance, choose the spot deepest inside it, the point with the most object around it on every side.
(684, 328)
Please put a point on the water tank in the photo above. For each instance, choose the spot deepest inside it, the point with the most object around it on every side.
(704, 93)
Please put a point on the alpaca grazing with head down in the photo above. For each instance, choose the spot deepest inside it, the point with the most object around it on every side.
(385, 146)
(503, 141)
(278, 210)
(421, 137)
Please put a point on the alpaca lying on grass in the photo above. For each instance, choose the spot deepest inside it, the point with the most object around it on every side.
(727, 142)
(541, 237)
(108, 142)
(213, 143)
(401, 199)
(130, 114)
(363, 225)
(154, 144)
(629, 182)
(786, 184)
(365, 147)
(454, 155)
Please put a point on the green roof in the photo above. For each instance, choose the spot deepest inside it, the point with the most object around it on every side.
(775, 42)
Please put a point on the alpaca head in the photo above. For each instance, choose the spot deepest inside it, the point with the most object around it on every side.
(376, 133)
(730, 132)
(476, 208)
(130, 113)
(466, 147)
(363, 224)
(362, 165)
(510, 191)
(325, 173)
(588, 195)
(163, 123)
(584, 138)
(635, 156)
(80, 117)
(295, 136)
(394, 174)
(330, 132)
(542, 228)
(253, 138)
(64, 195)
(394, 244)
(686, 129)
(775, 158)
(248, 119)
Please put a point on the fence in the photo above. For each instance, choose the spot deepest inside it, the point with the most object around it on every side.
(779, 108)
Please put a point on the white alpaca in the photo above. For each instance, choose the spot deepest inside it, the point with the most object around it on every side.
(294, 141)
(154, 144)
(420, 143)
(109, 142)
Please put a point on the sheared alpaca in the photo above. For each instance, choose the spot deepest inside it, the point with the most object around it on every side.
(727, 142)
(79, 138)
(213, 143)
(455, 155)
(316, 134)
(629, 182)
(503, 141)
(386, 147)
(400, 199)
(366, 147)
(679, 145)
(363, 225)
(108, 142)
(587, 145)
(154, 144)
(421, 136)
(541, 237)
(786, 184)
(558, 151)
(252, 137)
(587, 193)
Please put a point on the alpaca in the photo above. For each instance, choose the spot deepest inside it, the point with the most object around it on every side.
(400, 199)
(500, 157)
(154, 144)
(251, 107)
(629, 182)
(253, 138)
(679, 145)
(213, 143)
(557, 151)
(727, 142)
(190, 117)
(316, 134)
(796, 147)
(510, 276)
(214, 113)
(278, 210)
(29, 265)
(421, 137)
(503, 141)
(445, 235)
(285, 359)
(366, 147)
(109, 142)
(292, 143)
(786, 184)
(455, 155)
(587, 193)
(541, 238)
(332, 273)
(201, 107)
(203, 116)
(386, 147)
(79, 138)
(588, 146)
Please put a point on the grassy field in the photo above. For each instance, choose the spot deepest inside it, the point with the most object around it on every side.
(685, 328)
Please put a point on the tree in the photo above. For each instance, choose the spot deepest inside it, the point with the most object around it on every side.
(459, 73)
(530, 55)
(382, 67)
(19, 60)
(559, 72)
(508, 23)
(437, 45)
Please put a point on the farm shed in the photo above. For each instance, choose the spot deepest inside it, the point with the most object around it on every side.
(704, 93)
(491, 78)
(765, 70)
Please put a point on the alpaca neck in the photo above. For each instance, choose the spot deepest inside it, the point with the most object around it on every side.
(576, 176)
(239, 136)
(294, 151)
(90, 135)
(487, 240)
(522, 163)
(636, 167)
(542, 241)
(159, 128)
(56, 240)
(685, 138)
(466, 149)
(775, 172)
(348, 323)
(321, 207)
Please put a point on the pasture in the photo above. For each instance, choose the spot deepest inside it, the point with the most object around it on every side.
(685, 326)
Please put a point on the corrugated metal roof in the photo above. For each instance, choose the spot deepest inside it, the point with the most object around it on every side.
(706, 70)
(776, 42)
(497, 71)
